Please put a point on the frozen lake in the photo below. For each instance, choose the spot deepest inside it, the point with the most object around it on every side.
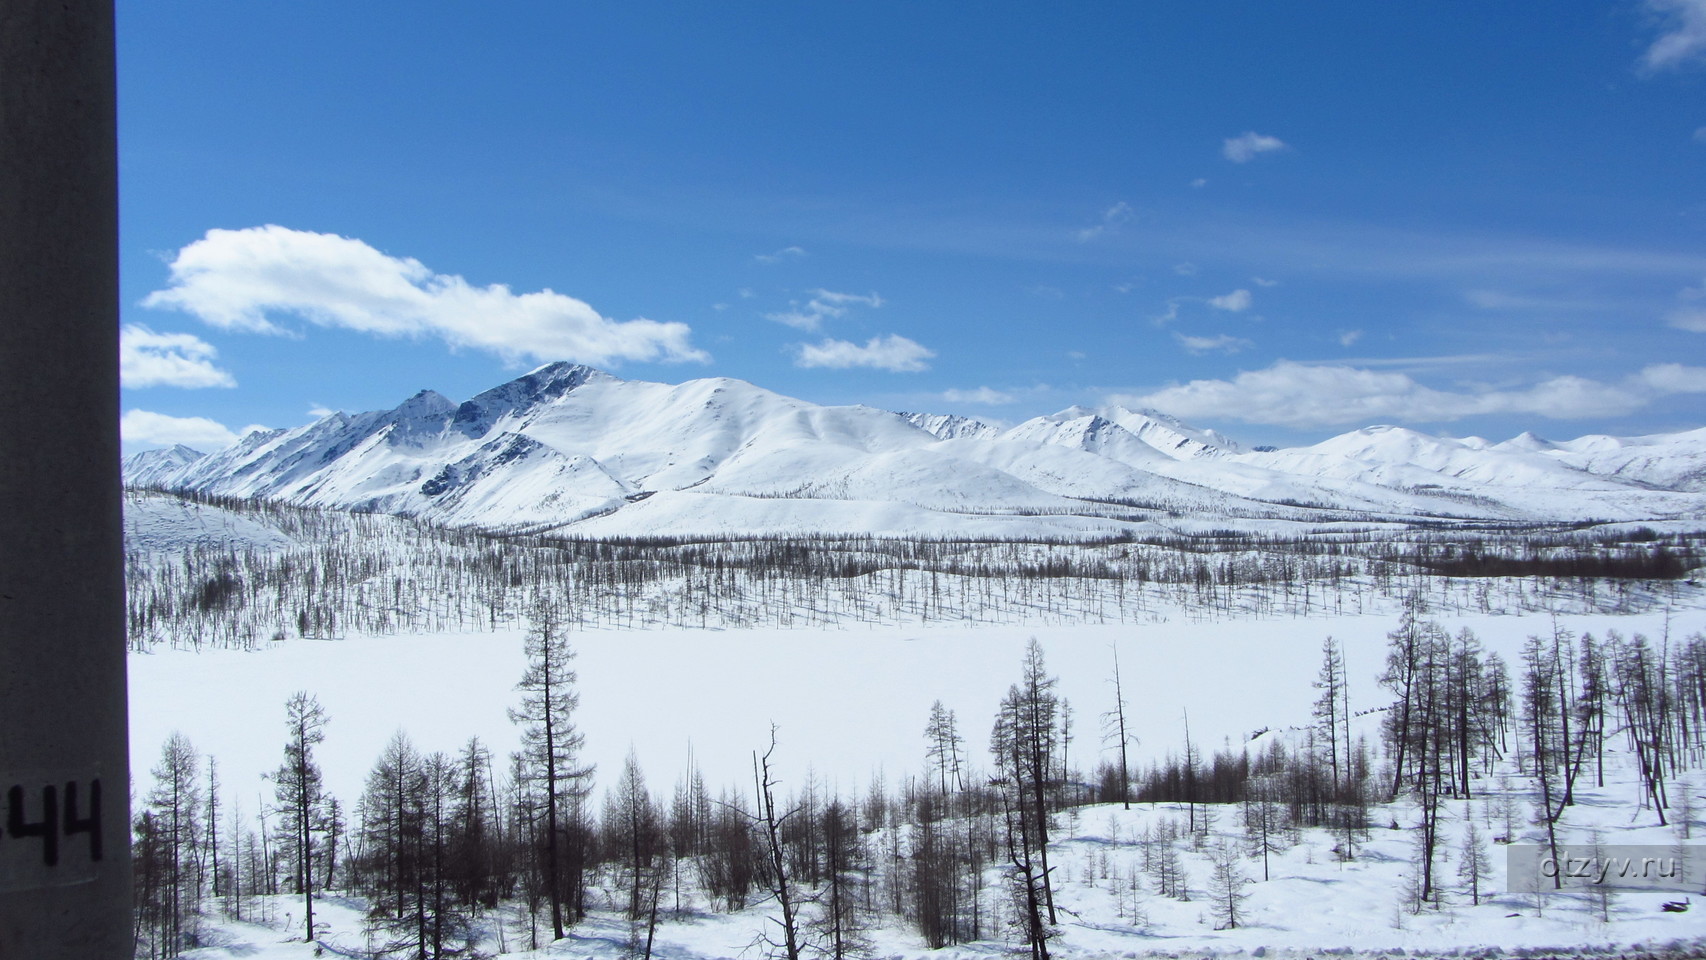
(848, 703)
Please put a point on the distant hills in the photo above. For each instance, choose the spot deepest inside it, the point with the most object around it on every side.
(572, 448)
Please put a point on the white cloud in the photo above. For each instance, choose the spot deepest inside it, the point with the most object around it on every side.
(144, 428)
(797, 319)
(244, 279)
(1225, 343)
(1244, 148)
(1186, 269)
(1684, 34)
(1111, 219)
(1301, 395)
(1199, 183)
(317, 411)
(837, 302)
(149, 359)
(1690, 318)
(983, 395)
(1673, 378)
(1348, 337)
(1694, 321)
(823, 305)
(1566, 398)
(1237, 301)
(786, 253)
(1260, 282)
(894, 353)
(1700, 135)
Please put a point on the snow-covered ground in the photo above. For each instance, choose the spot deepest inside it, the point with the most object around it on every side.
(848, 702)
(157, 526)
(1314, 905)
(853, 702)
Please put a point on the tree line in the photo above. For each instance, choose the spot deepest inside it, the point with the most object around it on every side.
(362, 573)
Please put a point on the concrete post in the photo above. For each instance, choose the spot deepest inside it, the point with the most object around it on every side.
(64, 777)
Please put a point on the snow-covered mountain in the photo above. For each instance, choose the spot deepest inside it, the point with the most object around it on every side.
(571, 447)
(1672, 461)
(948, 426)
(152, 467)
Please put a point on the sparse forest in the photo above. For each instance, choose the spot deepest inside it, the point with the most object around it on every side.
(467, 854)
(358, 573)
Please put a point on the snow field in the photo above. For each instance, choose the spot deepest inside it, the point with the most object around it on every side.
(846, 703)
(1315, 905)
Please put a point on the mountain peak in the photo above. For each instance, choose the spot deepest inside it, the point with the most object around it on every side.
(539, 386)
(1148, 413)
(177, 453)
(151, 467)
(947, 426)
(563, 370)
(1528, 440)
(1169, 434)
(427, 400)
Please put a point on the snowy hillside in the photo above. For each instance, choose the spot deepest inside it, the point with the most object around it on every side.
(167, 527)
(572, 448)
(1675, 461)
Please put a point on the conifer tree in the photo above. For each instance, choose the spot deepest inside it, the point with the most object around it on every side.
(550, 751)
(1227, 884)
(942, 747)
(1331, 722)
(838, 921)
(1473, 867)
(298, 794)
(634, 835)
(173, 844)
(1025, 745)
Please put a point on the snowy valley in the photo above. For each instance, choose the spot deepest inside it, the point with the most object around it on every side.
(689, 710)
(901, 601)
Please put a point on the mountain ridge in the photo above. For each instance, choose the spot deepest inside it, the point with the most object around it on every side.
(572, 447)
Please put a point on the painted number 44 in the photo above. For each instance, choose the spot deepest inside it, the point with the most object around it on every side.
(52, 815)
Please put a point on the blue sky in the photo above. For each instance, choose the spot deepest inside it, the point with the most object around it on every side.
(1280, 220)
